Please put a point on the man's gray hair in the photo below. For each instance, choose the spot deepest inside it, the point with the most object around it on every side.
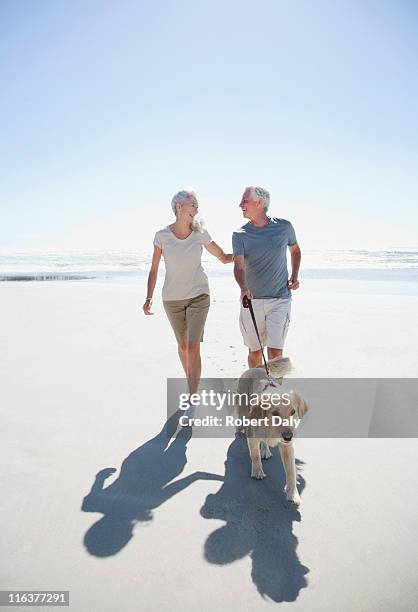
(182, 196)
(259, 193)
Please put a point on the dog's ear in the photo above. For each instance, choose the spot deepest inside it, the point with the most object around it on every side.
(302, 407)
(256, 412)
(279, 366)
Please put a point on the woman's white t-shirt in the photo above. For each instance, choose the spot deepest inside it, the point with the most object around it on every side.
(184, 275)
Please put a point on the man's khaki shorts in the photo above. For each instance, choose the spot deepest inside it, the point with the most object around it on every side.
(188, 317)
(272, 317)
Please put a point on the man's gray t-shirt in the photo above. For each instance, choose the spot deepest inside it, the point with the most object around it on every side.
(264, 250)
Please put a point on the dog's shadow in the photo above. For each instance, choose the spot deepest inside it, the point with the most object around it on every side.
(140, 488)
(258, 523)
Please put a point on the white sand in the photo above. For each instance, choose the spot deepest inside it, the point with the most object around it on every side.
(83, 389)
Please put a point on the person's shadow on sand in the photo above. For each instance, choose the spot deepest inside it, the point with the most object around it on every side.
(258, 523)
(141, 487)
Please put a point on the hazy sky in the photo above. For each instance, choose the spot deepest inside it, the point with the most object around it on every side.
(108, 108)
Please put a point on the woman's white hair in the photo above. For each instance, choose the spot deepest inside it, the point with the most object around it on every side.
(259, 193)
(182, 196)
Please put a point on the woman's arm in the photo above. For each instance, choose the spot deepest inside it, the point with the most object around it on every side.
(152, 280)
(215, 249)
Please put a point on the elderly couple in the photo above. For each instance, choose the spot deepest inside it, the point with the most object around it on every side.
(259, 256)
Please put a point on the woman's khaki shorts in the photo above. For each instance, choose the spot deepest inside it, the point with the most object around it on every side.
(188, 317)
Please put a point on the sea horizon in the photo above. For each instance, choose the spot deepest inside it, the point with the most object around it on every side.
(80, 264)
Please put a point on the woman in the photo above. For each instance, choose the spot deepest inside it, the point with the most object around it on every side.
(186, 290)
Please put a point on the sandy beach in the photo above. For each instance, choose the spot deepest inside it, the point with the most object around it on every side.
(144, 141)
(183, 526)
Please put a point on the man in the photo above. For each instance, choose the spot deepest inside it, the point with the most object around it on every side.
(260, 269)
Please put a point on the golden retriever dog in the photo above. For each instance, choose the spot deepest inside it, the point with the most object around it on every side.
(274, 415)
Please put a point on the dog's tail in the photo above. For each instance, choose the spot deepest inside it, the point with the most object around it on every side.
(279, 366)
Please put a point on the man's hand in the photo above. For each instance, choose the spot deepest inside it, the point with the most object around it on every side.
(293, 283)
(247, 293)
(147, 307)
(295, 255)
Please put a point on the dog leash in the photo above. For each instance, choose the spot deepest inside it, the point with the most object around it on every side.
(246, 302)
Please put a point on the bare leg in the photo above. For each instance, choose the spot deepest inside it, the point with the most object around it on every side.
(273, 352)
(287, 454)
(254, 358)
(183, 355)
(193, 365)
(256, 467)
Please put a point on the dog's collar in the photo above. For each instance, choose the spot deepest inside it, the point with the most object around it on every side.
(273, 382)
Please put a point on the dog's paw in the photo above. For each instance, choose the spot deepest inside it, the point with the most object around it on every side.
(265, 452)
(257, 472)
(292, 496)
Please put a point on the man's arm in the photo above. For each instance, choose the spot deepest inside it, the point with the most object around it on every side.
(296, 256)
(239, 273)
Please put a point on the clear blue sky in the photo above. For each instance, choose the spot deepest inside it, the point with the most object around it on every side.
(108, 108)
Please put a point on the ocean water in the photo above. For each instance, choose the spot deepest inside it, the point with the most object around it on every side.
(75, 265)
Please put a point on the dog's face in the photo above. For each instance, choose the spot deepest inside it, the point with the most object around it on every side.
(291, 407)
